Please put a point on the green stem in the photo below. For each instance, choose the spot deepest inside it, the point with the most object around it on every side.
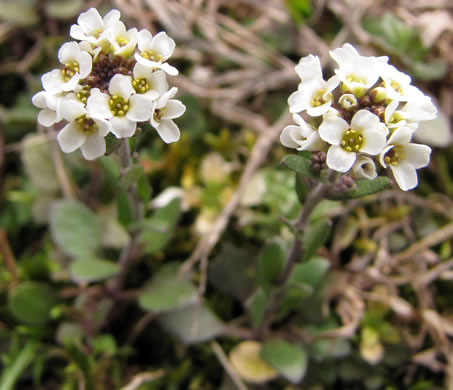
(316, 196)
(137, 207)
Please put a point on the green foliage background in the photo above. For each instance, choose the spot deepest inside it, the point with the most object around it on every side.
(368, 307)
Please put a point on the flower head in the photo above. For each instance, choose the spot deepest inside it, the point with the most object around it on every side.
(365, 134)
(366, 112)
(164, 110)
(404, 157)
(111, 84)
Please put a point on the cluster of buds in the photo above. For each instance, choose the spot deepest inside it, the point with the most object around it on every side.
(110, 80)
(367, 111)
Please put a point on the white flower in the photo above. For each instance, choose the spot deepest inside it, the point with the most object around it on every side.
(364, 168)
(77, 65)
(154, 51)
(49, 104)
(164, 110)
(123, 108)
(396, 118)
(403, 157)
(309, 67)
(149, 83)
(91, 26)
(366, 134)
(123, 42)
(420, 107)
(397, 84)
(301, 137)
(348, 101)
(357, 73)
(314, 96)
(82, 131)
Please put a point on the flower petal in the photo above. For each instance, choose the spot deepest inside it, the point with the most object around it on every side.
(68, 52)
(72, 109)
(401, 136)
(70, 138)
(373, 141)
(47, 117)
(140, 108)
(309, 67)
(85, 63)
(163, 100)
(332, 128)
(405, 175)
(111, 17)
(339, 159)
(167, 68)
(168, 131)
(173, 109)
(77, 32)
(40, 99)
(122, 127)
(52, 81)
(417, 155)
(144, 39)
(297, 102)
(163, 44)
(364, 168)
(98, 104)
(93, 147)
(158, 82)
(363, 119)
(90, 21)
(121, 85)
(104, 127)
(287, 137)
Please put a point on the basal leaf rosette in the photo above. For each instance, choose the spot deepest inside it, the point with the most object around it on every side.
(364, 116)
(115, 78)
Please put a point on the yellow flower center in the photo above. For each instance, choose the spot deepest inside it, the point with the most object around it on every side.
(86, 125)
(118, 105)
(355, 79)
(69, 70)
(352, 141)
(394, 156)
(152, 55)
(396, 86)
(121, 41)
(140, 85)
(318, 97)
(158, 114)
(83, 94)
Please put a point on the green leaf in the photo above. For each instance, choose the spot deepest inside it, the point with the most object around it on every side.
(63, 9)
(158, 229)
(315, 235)
(299, 9)
(75, 228)
(311, 272)
(301, 164)
(38, 162)
(428, 71)
(229, 272)
(90, 270)
(167, 292)
(250, 366)
(17, 13)
(14, 371)
(290, 360)
(112, 144)
(364, 187)
(31, 302)
(257, 307)
(192, 324)
(301, 188)
(270, 264)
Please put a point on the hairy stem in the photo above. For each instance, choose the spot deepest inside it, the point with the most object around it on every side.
(128, 253)
(316, 195)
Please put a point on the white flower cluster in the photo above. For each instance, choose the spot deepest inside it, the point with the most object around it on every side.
(367, 109)
(111, 80)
